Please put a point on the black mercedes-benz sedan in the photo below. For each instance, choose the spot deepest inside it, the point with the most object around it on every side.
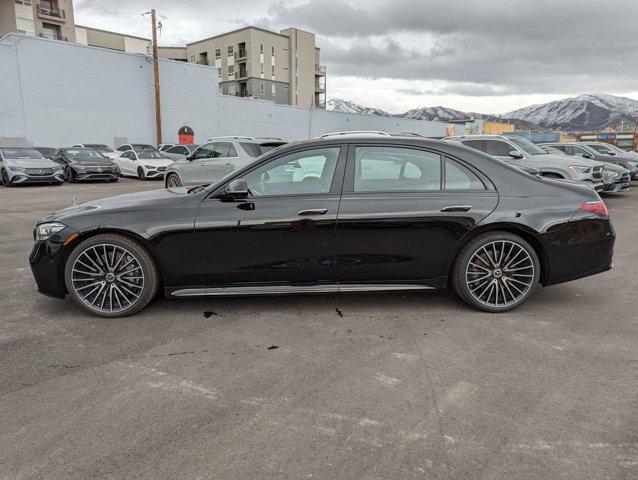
(82, 164)
(336, 214)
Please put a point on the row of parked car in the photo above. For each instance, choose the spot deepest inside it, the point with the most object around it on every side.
(604, 167)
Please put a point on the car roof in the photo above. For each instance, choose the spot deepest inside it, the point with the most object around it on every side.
(481, 137)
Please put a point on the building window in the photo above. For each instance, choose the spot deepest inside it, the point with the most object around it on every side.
(272, 50)
(192, 58)
(221, 89)
(261, 70)
(24, 2)
(273, 89)
(230, 50)
(231, 89)
(231, 69)
(218, 53)
(261, 48)
(272, 71)
(25, 25)
(262, 88)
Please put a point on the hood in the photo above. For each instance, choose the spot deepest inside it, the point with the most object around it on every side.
(156, 162)
(565, 161)
(612, 167)
(160, 198)
(35, 163)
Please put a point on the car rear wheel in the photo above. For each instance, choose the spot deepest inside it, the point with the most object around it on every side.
(140, 174)
(173, 181)
(111, 275)
(496, 272)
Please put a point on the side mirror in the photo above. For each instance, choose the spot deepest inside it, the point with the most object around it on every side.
(587, 155)
(237, 189)
(516, 154)
(611, 153)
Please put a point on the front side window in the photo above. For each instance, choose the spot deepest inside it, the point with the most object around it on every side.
(498, 148)
(302, 173)
(379, 169)
(575, 151)
(129, 154)
(602, 149)
(205, 151)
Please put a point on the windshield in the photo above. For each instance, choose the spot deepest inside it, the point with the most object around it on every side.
(527, 146)
(46, 151)
(149, 154)
(99, 147)
(84, 154)
(143, 146)
(21, 154)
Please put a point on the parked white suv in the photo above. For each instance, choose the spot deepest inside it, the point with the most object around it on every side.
(217, 157)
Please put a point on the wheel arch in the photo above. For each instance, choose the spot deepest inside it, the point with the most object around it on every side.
(526, 233)
(101, 231)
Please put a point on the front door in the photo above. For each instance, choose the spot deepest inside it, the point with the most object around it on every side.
(283, 233)
(403, 211)
(221, 162)
(193, 171)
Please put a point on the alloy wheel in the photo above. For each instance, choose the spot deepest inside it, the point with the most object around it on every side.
(173, 181)
(107, 278)
(500, 273)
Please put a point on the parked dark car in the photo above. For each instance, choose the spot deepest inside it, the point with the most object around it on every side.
(385, 213)
(83, 164)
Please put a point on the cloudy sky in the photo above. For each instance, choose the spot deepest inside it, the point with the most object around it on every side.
(487, 56)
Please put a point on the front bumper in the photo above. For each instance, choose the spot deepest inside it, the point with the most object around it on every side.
(47, 261)
(616, 187)
(155, 173)
(18, 178)
(95, 175)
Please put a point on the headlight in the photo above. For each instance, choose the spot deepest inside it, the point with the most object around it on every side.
(46, 230)
(579, 169)
(79, 167)
(114, 168)
(150, 167)
(58, 168)
(16, 169)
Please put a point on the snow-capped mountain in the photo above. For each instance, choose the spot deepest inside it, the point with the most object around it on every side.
(346, 106)
(595, 111)
(590, 111)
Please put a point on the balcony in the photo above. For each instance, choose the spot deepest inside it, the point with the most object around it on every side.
(240, 55)
(49, 12)
(53, 36)
(320, 70)
(320, 87)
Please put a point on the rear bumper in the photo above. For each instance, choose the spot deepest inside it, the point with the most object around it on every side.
(583, 247)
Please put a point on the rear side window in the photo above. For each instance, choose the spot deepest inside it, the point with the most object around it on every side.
(251, 149)
(379, 169)
(476, 145)
(458, 177)
(222, 149)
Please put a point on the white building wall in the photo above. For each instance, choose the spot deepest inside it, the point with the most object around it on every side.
(59, 93)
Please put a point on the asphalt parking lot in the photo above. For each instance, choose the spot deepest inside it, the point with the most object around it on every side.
(365, 386)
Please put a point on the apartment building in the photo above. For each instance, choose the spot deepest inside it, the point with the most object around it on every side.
(42, 18)
(253, 62)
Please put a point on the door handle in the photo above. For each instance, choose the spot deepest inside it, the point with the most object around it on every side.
(316, 211)
(456, 208)
(204, 164)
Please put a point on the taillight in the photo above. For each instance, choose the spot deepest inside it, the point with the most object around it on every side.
(596, 207)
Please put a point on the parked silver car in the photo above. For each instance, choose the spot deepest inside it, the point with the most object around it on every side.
(520, 151)
(593, 151)
(216, 158)
(27, 165)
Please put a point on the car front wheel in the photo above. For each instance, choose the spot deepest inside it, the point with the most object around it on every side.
(496, 272)
(5, 179)
(140, 174)
(111, 275)
(173, 181)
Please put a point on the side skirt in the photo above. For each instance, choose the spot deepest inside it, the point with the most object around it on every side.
(290, 289)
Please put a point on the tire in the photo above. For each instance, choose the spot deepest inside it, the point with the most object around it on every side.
(480, 276)
(93, 267)
(69, 175)
(140, 174)
(173, 177)
(5, 179)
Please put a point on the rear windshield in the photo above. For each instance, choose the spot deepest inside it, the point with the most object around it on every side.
(84, 154)
(146, 154)
(22, 154)
(99, 147)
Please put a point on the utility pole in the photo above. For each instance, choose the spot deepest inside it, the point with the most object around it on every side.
(158, 113)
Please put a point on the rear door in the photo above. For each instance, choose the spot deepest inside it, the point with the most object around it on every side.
(402, 212)
(221, 162)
